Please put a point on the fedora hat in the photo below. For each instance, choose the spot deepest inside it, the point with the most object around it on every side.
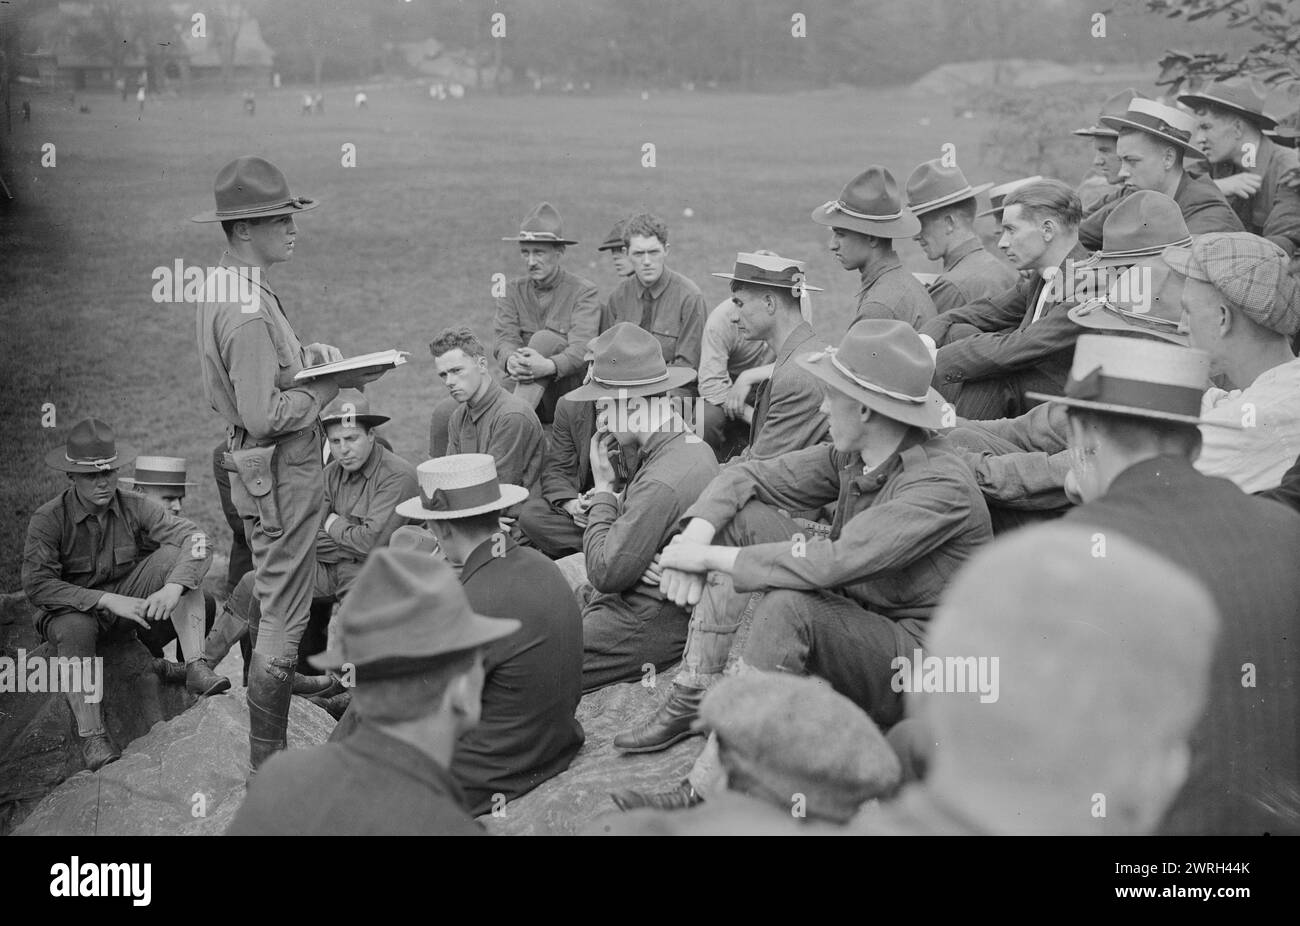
(164, 472)
(1237, 96)
(871, 205)
(252, 188)
(541, 226)
(92, 448)
(1137, 377)
(459, 486)
(884, 364)
(999, 194)
(404, 611)
(769, 270)
(933, 186)
(629, 362)
(1159, 121)
(614, 240)
(351, 407)
(1158, 313)
(1116, 105)
(1142, 225)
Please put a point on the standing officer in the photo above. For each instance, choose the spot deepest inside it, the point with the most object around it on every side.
(249, 356)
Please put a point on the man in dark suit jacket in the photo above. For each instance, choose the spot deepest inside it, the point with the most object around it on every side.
(554, 522)
(1133, 407)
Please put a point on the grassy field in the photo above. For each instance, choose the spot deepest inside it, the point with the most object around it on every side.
(404, 243)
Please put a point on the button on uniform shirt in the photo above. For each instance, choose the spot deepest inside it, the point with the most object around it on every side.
(1274, 211)
(365, 503)
(70, 555)
(674, 308)
(787, 414)
(503, 426)
(888, 291)
(1201, 202)
(900, 532)
(249, 359)
(724, 353)
(970, 272)
(369, 784)
(566, 304)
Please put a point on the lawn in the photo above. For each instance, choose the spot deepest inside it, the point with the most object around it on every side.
(405, 242)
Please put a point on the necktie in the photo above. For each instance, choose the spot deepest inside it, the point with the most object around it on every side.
(647, 309)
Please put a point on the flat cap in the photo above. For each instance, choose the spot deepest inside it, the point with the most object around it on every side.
(1249, 271)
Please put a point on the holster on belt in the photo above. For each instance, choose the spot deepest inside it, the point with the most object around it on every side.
(253, 466)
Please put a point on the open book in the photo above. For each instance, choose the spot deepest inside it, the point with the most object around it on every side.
(379, 360)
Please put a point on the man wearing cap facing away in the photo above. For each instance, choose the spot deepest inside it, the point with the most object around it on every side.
(1153, 142)
(864, 222)
(532, 678)
(415, 649)
(1134, 410)
(87, 573)
(1228, 128)
(994, 349)
(1102, 184)
(364, 482)
(628, 621)
(944, 202)
(546, 318)
(907, 515)
(249, 356)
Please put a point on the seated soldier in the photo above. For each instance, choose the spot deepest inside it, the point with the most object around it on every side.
(486, 419)
(526, 732)
(908, 514)
(628, 622)
(616, 247)
(363, 484)
(85, 571)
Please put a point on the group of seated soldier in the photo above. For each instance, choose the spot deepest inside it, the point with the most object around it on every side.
(624, 484)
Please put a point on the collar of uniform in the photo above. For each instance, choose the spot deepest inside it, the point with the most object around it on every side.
(547, 285)
(794, 341)
(660, 284)
(902, 457)
(80, 512)
(477, 408)
(230, 260)
(656, 444)
(369, 741)
(967, 247)
(879, 269)
(483, 554)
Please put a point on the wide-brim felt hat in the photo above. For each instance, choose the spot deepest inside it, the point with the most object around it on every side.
(1234, 95)
(541, 226)
(1288, 136)
(405, 611)
(253, 188)
(870, 204)
(628, 362)
(92, 447)
(1115, 105)
(460, 486)
(1142, 225)
(934, 185)
(884, 364)
(1159, 314)
(769, 270)
(999, 193)
(1170, 125)
(163, 472)
(1138, 378)
(351, 406)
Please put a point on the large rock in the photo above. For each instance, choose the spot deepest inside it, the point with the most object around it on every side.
(185, 778)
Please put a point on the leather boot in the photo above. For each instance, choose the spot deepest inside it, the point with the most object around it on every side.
(172, 673)
(321, 686)
(227, 630)
(97, 750)
(679, 798)
(670, 724)
(270, 688)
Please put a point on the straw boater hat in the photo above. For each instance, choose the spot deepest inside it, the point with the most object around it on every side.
(614, 240)
(253, 188)
(629, 362)
(769, 270)
(933, 186)
(1158, 120)
(541, 226)
(460, 486)
(1236, 96)
(1115, 105)
(871, 205)
(1137, 377)
(92, 448)
(999, 193)
(351, 407)
(405, 612)
(884, 364)
(163, 472)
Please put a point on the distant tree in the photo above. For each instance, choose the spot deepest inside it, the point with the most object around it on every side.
(1274, 60)
(227, 20)
(308, 35)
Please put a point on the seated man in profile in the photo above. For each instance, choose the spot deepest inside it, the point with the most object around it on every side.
(87, 574)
